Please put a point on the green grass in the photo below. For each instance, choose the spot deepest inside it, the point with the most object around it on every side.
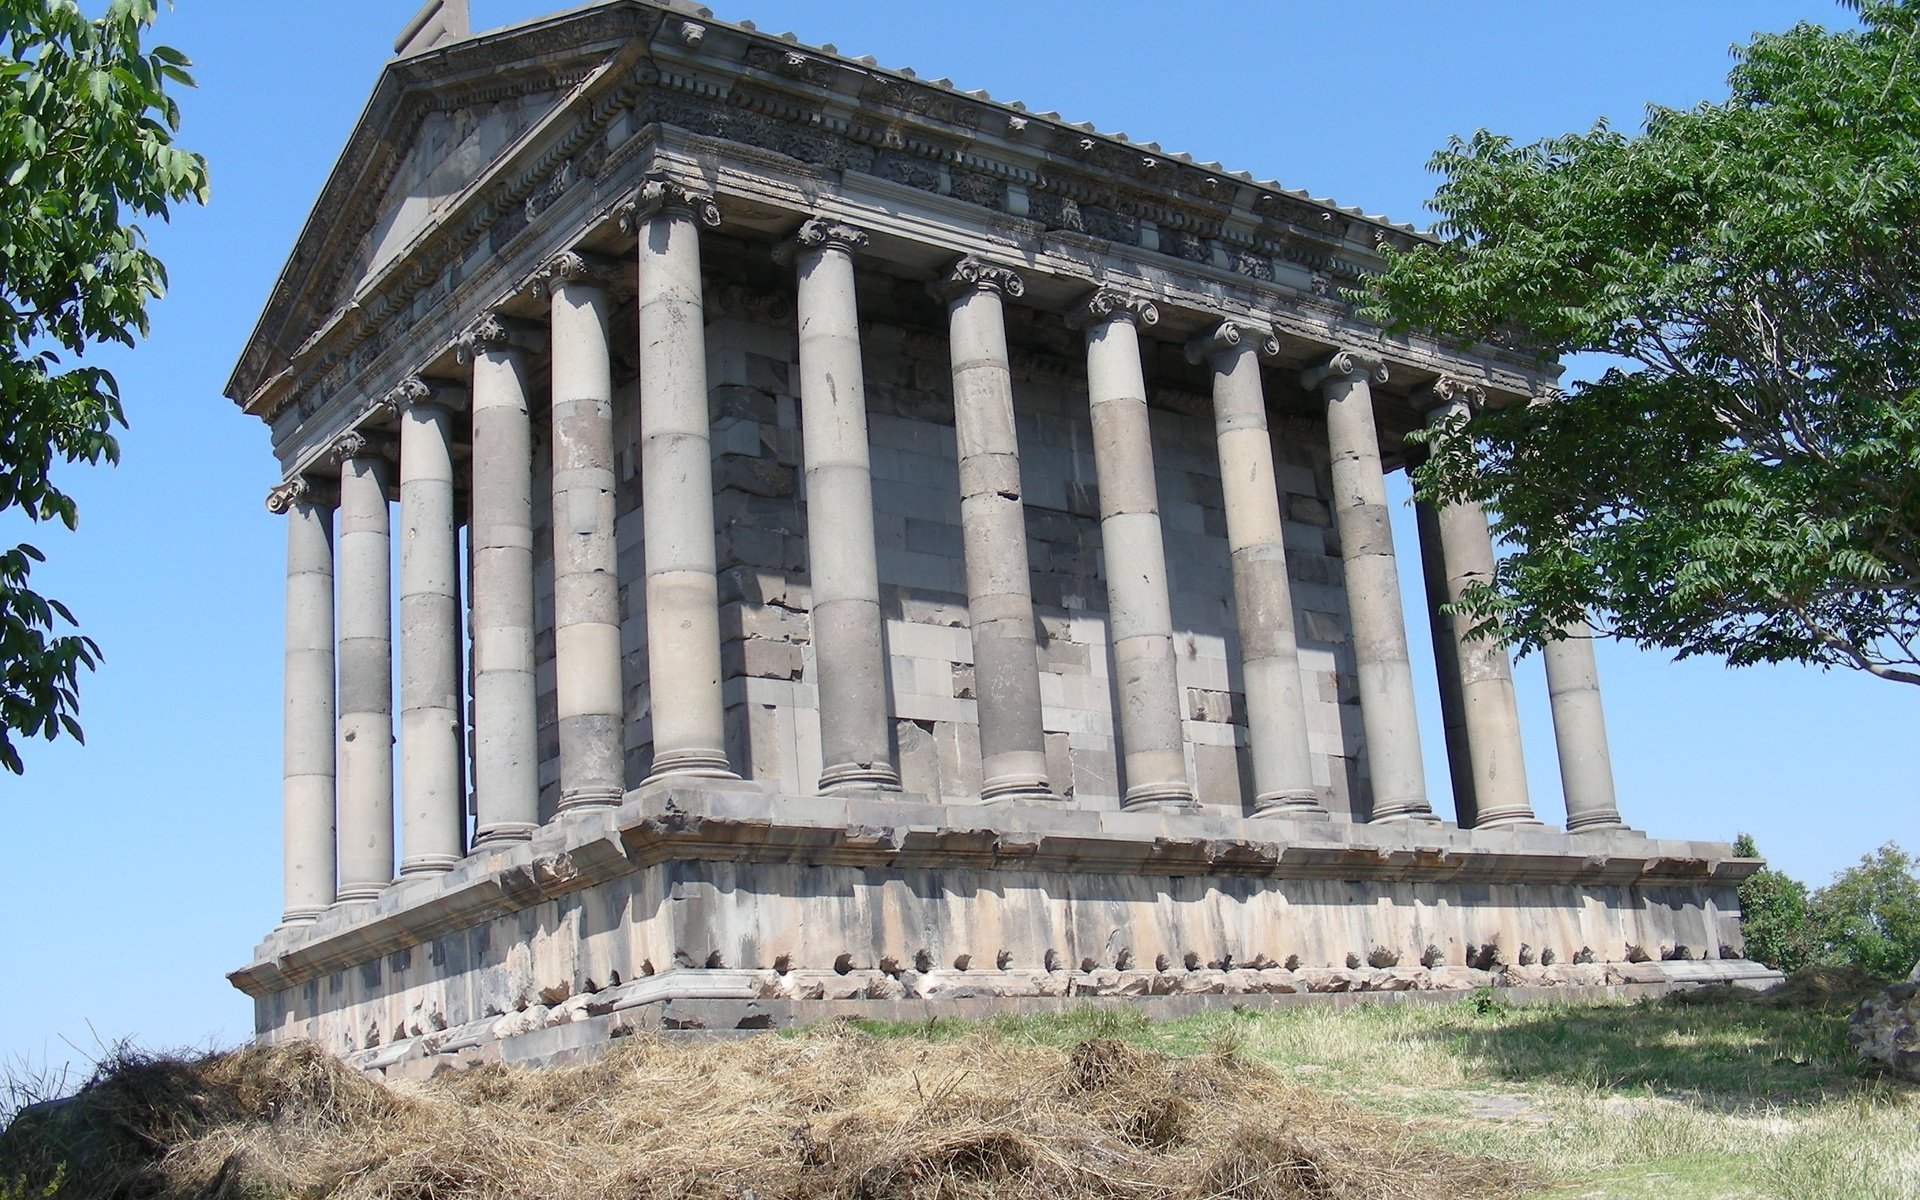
(1603, 1101)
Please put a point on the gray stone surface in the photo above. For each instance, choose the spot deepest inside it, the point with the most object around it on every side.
(1886, 1030)
(1092, 600)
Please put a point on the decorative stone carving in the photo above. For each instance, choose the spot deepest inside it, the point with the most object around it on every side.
(358, 443)
(493, 331)
(571, 266)
(302, 489)
(1344, 363)
(1112, 304)
(416, 389)
(1451, 391)
(660, 191)
(973, 273)
(822, 233)
(1227, 335)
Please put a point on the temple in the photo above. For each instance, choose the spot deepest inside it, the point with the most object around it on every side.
(867, 548)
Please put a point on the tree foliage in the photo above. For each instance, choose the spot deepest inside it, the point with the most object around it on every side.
(1773, 915)
(1744, 482)
(1868, 917)
(86, 149)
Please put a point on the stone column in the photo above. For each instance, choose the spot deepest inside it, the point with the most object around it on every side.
(1140, 614)
(676, 482)
(1262, 594)
(843, 575)
(1580, 731)
(1489, 713)
(1373, 585)
(433, 818)
(308, 739)
(506, 789)
(586, 576)
(1006, 664)
(365, 749)
(1453, 706)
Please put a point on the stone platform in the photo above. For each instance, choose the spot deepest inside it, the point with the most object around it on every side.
(729, 905)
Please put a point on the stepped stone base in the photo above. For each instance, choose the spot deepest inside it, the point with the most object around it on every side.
(727, 905)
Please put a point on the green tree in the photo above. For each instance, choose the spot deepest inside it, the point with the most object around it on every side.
(86, 149)
(1869, 916)
(1773, 914)
(1744, 481)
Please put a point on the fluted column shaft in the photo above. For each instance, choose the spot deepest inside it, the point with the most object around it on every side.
(841, 560)
(365, 749)
(1373, 586)
(500, 538)
(1140, 613)
(683, 607)
(586, 580)
(1580, 731)
(308, 743)
(433, 820)
(1489, 712)
(1262, 594)
(1006, 665)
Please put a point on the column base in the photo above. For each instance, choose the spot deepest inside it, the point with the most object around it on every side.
(1599, 822)
(1298, 805)
(1506, 818)
(1421, 816)
(858, 777)
(702, 764)
(1018, 787)
(503, 833)
(360, 893)
(429, 864)
(1162, 796)
(601, 797)
(302, 916)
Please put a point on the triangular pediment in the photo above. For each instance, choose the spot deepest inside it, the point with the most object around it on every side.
(434, 126)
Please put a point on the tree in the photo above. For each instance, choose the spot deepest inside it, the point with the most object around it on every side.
(86, 148)
(1869, 916)
(1773, 914)
(1744, 481)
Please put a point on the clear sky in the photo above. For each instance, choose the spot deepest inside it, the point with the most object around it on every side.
(144, 866)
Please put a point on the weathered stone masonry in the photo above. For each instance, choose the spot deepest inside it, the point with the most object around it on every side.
(914, 551)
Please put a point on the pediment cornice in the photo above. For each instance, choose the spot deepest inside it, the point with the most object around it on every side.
(811, 112)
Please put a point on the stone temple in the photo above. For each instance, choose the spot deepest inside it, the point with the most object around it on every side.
(867, 548)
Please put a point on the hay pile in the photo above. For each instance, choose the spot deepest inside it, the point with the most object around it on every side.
(832, 1113)
(1814, 989)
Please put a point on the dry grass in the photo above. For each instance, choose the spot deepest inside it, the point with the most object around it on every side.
(831, 1113)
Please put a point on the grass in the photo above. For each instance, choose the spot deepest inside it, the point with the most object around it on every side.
(1373, 1102)
(1680, 1102)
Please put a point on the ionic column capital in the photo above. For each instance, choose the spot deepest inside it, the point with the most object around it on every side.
(358, 443)
(302, 489)
(577, 267)
(493, 332)
(1448, 395)
(1345, 365)
(418, 391)
(1230, 335)
(662, 193)
(1111, 304)
(974, 274)
(821, 233)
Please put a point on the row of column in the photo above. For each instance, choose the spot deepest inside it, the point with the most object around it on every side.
(682, 604)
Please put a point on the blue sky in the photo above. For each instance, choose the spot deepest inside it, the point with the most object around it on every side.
(145, 865)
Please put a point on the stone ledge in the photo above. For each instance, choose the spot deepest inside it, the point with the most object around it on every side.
(748, 822)
(728, 1003)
